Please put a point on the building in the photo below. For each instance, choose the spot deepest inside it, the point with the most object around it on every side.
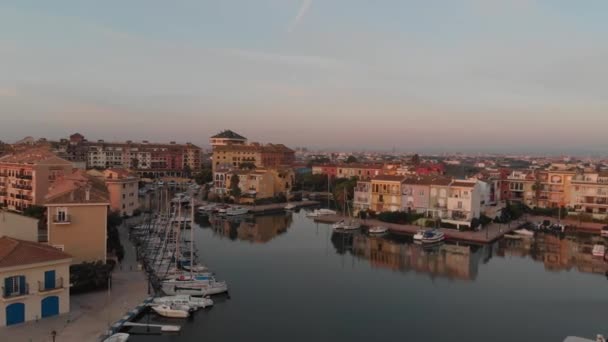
(520, 187)
(256, 155)
(553, 190)
(77, 211)
(18, 226)
(147, 159)
(363, 196)
(325, 169)
(589, 194)
(360, 171)
(464, 203)
(35, 281)
(26, 176)
(227, 137)
(123, 187)
(386, 193)
(257, 183)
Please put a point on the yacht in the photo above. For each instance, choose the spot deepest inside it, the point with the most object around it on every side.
(171, 311)
(236, 211)
(196, 289)
(433, 236)
(193, 302)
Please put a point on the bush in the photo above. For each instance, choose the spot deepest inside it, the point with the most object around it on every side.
(87, 277)
(400, 217)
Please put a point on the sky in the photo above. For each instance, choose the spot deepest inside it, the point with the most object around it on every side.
(417, 75)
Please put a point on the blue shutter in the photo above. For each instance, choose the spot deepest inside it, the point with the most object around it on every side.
(22, 289)
(7, 284)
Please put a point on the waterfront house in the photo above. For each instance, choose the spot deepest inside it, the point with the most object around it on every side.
(35, 281)
(77, 211)
(325, 169)
(589, 194)
(26, 176)
(362, 196)
(521, 187)
(360, 171)
(464, 203)
(554, 188)
(386, 193)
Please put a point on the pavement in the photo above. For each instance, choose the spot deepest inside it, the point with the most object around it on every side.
(91, 313)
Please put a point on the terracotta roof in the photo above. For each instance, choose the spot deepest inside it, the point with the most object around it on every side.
(463, 184)
(228, 134)
(14, 252)
(33, 156)
(73, 189)
(361, 166)
(389, 178)
(428, 180)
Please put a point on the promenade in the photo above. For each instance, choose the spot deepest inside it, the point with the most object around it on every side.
(91, 313)
(488, 234)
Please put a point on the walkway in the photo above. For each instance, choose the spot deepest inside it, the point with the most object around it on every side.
(486, 235)
(91, 313)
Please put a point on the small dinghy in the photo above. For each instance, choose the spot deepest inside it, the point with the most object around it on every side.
(172, 311)
(432, 236)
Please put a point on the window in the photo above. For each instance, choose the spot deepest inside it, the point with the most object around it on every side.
(124, 196)
(124, 186)
(421, 193)
(459, 205)
(14, 286)
(62, 215)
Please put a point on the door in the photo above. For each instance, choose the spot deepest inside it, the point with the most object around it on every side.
(49, 280)
(50, 306)
(15, 314)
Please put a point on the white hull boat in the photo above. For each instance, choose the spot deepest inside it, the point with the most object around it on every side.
(432, 236)
(171, 311)
(419, 235)
(378, 230)
(321, 212)
(524, 232)
(120, 337)
(200, 289)
(236, 211)
(290, 206)
(193, 302)
(599, 251)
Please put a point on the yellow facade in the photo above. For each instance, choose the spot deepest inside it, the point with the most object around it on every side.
(83, 232)
(386, 193)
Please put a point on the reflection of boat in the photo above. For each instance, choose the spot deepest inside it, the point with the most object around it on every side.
(120, 337)
(377, 230)
(171, 311)
(321, 212)
(523, 232)
(236, 211)
(433, 236)
(598, 251)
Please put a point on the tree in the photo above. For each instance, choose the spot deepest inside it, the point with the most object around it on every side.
(187, 171)
(235, 190)
(344, 187)
(351, 159)
(203, 177)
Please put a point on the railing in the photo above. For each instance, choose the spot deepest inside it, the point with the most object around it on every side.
(24, 176)
(22, 187)
(21, 292)
(62, 219)
(42, 286)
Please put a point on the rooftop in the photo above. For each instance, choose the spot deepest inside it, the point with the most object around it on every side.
(228, 134)
(73, 189)
(463, 184)
(428, 180)
(33, 156)
(14, 252)
(389, 178)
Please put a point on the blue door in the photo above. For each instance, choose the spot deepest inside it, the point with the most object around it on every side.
(15, 313)
(50, 306)
(49, 280)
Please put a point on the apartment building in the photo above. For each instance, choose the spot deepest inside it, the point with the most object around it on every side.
(362, 196)
(257, 183)
(589, 194)
(35, 281)
(123, 188)
(553, 188)
(26, 176)
(464, 203)
(227, 137)
(520, 186)
(361, 171)
(77, 211)
(386, 193)
(325, 169)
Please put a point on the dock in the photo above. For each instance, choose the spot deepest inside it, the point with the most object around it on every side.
(486, 235)
(129, 316)
(162, 327)
(278, 207)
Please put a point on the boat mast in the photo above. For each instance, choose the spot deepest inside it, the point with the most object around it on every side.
(191, 234)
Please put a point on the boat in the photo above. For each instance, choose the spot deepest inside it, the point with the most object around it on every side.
(338, 225)
(119, 337)
(290, 206)
(193, 302)
(433, 236)
(321, 212)
(181, 198)
(598, 251)
(350, 223)
(419, 235)
(524, 232)
(197, 289)
(236, 211)
(171, 311)
(513, 236)
(598, 338)
(378, 230)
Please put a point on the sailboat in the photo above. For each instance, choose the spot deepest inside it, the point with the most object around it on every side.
(348, 224)
(324, 211)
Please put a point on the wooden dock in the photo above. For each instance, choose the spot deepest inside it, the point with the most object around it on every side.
(488, 234)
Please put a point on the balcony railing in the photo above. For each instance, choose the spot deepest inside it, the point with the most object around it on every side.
(62, 219)
(22, 186)
(44, 287)
(22, 292)
(24, 176)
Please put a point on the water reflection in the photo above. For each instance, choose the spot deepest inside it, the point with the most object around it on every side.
(558, 253)
(444, 260)
(260, 229)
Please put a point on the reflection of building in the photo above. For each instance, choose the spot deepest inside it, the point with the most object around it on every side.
(260, 230)
(558, 253)
(449, 261)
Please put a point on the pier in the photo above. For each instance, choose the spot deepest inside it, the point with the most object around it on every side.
(488, 234)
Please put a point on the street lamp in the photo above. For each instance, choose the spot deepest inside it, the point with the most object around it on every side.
(53, 335)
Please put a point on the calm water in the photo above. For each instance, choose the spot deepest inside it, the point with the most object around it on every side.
(292, 280)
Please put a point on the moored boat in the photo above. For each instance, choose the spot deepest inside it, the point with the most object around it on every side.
(524, 232)
(433, 236)
(171, 311)
(190, 301)
(378, 230)
(236, 211)
(119, 337)
(419, 235)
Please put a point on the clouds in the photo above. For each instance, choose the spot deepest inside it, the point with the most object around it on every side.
(304, 7)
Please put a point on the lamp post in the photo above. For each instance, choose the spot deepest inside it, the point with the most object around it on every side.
(53, 335)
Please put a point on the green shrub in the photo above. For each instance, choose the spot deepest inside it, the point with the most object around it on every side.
(88, 277)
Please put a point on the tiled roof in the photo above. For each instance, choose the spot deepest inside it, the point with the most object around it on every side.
(463, 184)
(120, 173)
(14, 252)
(389, 178)
(228, 134)
(33, 156)
(73, 189)
(428, 180)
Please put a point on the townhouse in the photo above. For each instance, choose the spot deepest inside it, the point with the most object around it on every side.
(361, 171)
(553, 188)
(123, 188)
(386, 193)
(589, 194)
(256, 184)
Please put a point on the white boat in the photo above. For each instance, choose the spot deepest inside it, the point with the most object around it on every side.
(351, 224)
(419, 235)
(290, 206)
(523, 232)
(433, 236)
(338, 225)
(598, 251)
(193, 302)
(181, 198)
(120, 337)
(197, 289)
(171, 311)
(598, 338)
(377, 230)
(236, 211)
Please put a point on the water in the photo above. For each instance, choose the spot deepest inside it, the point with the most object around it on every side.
(292, 280)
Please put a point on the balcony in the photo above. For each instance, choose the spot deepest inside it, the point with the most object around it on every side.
(44, 287)
(62, 219)
(22, 187)
(24, 177)
(7, 295)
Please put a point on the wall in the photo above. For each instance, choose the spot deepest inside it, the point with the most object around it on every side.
(85, 236)
(34, 274)
(18, 226)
